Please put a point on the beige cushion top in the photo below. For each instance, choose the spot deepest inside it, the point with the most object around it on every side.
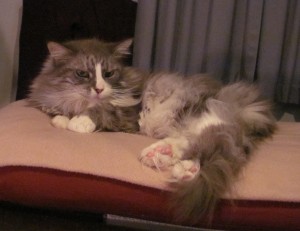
(28, 139)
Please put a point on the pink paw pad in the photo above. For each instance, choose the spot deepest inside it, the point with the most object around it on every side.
(150, 154)
(164, 150)
(161, 149)
(194, 169)
(159, 155)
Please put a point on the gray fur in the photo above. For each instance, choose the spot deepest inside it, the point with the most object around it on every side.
(222, 125)
(174, 106)
(58, 91)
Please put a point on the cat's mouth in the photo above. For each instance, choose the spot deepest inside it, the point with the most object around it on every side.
(94, 100)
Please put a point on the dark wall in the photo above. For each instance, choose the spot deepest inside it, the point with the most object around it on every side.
(60, 20)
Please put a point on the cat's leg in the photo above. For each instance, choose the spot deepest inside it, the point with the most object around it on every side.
(81, 124)
(165, 152)
(60, 121)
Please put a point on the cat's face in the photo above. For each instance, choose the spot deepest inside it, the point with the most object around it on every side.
(92, 69)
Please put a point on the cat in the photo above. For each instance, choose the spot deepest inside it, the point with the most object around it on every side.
(85, 86)
(207, 133)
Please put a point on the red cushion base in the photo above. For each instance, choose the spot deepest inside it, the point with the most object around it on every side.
(79, 192)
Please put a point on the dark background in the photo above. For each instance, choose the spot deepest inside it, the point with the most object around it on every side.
(57, 20)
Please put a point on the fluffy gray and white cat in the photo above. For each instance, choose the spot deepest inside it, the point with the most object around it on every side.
(207, 131)
(85, 86)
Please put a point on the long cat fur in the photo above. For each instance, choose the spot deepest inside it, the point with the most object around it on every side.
(58, 90)
(217, 125)
(222, 125)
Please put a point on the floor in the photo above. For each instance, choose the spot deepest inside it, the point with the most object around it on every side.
(15, 218)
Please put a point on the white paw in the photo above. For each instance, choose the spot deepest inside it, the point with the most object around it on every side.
(161, 154)
(60, 121)
(82, 124)
(186, 170)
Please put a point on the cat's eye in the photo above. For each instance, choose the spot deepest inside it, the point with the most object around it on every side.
(82, 74)
(108, 74)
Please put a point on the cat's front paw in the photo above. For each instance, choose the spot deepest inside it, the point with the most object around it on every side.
(82, 124)
(186, 170)
(60, 121)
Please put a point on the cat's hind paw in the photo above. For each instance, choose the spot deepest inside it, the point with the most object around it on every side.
(186, 170)
(81, 124)
(161, 154)
(60, 121)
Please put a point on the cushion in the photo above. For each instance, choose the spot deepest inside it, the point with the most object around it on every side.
(53, 168)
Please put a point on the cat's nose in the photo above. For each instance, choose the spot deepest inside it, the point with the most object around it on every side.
(98, 90)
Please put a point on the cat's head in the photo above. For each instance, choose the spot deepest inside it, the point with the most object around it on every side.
(92, 68)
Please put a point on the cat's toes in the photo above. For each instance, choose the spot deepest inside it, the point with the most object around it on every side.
(82, 124)
(186, 170)
(60, 121)
(159, 155)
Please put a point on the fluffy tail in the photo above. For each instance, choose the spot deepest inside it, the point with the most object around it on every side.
(252, 112)
(224, 149)
(221, 156)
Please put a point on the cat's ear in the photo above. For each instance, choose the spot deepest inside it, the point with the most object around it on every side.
(123, 48)
(57, 51)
